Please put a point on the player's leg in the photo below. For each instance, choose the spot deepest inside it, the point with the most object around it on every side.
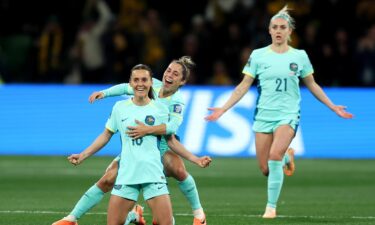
(121, 210)
(263, 142)
(288, 162)
(92, 196)
(157, 198)
(175, 167)
(118, 209)
(282, 137)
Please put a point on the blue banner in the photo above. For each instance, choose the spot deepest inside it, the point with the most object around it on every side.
(58, 120)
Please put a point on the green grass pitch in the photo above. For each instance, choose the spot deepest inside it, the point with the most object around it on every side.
(40, 190)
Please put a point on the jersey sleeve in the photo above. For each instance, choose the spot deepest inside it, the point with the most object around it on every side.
(117, 90)
(307, 68)
(250, 68)
(176, 112)
(111, 122)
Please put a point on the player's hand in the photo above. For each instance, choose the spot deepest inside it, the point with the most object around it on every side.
(215, 115)
(75, 159)
(204, 161)
(138, 131)
(340, 111)
(96, 96)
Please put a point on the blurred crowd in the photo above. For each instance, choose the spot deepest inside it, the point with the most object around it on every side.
(99, 41)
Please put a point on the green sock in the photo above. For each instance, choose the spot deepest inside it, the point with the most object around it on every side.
(90, 199)
(275, 182)
(189, 189)
(286, 159)
(132, 216)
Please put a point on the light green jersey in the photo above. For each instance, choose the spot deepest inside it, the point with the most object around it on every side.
(140, 158)
(278, 82)
(175, 102)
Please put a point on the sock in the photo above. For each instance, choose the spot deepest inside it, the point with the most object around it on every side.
(189, 189)
(132, 216)
(198, 213)
(275, 182)
(286, 159)
(70, 218)
(90, 199)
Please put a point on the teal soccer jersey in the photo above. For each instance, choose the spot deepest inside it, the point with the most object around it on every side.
(175, 102)
(140, 158)
(278, 82)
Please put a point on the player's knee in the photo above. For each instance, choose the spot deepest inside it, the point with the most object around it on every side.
(180, 173)
(105, 184)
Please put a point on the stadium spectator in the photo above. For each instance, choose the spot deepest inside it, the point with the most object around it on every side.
(277, 69)
(366, 58)
(89, 43)
(175, 76)
(50, 55)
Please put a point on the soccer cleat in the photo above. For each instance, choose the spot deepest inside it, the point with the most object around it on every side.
(64, 222)
(290, 167)
(197, 221)
(154, 222)
(270, 213)
(138, 209)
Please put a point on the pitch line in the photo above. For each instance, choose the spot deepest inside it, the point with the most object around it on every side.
(189, 214)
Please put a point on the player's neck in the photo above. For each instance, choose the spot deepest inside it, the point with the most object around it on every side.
(165, 93)
(141, 101)
(280, 48)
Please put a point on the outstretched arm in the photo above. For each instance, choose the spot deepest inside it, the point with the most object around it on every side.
(95, 146)
(319, 94)
(177, 147)
(241, 89)
(117, 90)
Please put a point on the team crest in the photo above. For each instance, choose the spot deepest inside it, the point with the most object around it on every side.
(150, 120)
(293, 67)
(177, 108)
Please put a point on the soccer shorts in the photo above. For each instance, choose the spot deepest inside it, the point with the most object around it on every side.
(270, 127)
(150, 190)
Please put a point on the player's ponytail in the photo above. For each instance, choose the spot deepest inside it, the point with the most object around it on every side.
(187, 65)
(284, 14)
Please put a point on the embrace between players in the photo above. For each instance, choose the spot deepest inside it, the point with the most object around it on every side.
(148, 122)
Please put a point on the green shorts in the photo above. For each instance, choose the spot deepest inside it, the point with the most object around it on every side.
(270, 127)
(150, 190)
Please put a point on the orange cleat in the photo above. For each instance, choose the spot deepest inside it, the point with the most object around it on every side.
(64, 222)
(290, 167)
(270, 213)
(197, 221)
(138, 209)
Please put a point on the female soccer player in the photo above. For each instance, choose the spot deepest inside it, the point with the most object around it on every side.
(167, 92)
(277, 68)
(144, 151)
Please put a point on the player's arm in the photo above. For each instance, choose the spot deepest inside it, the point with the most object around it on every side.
(319, 94)
(178, 148)
(169, 127)
(240, 90)
(95, 146)
(117, 90)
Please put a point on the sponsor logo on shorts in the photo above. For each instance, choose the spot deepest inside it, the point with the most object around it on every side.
(117, 186)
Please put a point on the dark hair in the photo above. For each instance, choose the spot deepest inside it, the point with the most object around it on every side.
(150, 94)
(187, 65)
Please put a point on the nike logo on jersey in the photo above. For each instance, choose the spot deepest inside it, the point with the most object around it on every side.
(122, 120)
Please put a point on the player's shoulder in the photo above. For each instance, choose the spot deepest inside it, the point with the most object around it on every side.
(177, 98)
(123, 103)
(261, 51)
(296, 51)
